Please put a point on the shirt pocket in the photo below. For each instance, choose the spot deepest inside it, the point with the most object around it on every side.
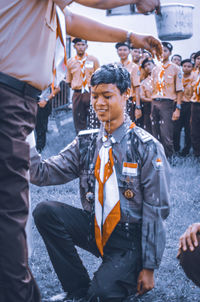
(50, 17)
(129, 186)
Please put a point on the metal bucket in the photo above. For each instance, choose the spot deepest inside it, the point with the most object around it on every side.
(175, 22)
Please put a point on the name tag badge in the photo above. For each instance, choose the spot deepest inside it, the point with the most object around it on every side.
(130, 169)
(89, 64)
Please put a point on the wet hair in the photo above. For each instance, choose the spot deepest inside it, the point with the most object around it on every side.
(112, 74)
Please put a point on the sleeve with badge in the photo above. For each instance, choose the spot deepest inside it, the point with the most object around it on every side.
(155, 181)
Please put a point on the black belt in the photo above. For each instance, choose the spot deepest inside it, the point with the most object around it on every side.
(21, 87)
(162, 99)
(77, 90)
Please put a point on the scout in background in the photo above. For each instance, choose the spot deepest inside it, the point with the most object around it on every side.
(176, 59)
(167, 87)
(185, 114)
(124, 189)
(146, 91)
(133, 102)
(195, 108)
(79, 71)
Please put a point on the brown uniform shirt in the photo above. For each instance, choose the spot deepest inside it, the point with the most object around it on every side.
(135, 79)
(146, 89)
(188, 85)
(196, 87)
(27, 39)
(74, 76)
(128, 65)
(166, 81)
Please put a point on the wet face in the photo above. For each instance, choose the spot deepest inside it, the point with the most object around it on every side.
(176, 60)
(80, 48)
(197, 62)
(136, 54)
(108, 104)
(166, 53)
(148, 67)
(187, 68)
(123, 52)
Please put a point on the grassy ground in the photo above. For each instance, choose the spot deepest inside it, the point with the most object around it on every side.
(171, 283)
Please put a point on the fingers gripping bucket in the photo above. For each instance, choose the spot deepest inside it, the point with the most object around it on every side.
(175, 22)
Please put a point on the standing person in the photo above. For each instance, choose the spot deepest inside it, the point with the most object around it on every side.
(133, 103)
(146, 91)
(185, 114)
(136, 54)
(44, 110)
(79, 71)
(29, 27)
(124, 187)
(195, 108)
(167, 87)
(176, 59)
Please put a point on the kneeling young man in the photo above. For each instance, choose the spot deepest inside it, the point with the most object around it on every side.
(124, 188)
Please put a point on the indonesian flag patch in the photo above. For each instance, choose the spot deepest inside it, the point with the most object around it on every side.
(157, 163)
(130, 169)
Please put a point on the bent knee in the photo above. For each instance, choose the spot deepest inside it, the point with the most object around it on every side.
(40, 213)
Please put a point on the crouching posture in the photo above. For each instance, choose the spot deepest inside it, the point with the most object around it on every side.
(124, 189)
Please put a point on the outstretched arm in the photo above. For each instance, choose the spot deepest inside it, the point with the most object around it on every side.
(80, 26)
(143, 6)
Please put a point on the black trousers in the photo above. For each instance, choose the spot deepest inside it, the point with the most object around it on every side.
(195, 126)
(162, 124)
(42, 125)
(17, 120)
(80, 110)
(183, 122)
(63, 227)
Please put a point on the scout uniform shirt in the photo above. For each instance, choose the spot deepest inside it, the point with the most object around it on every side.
(196, 87)
(166, 81)
(188, 86)
(142, 175)
(74, 71)
(27, 52)
(146, 89)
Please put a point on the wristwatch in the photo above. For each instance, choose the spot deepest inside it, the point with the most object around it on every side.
(178, 106)
(138, 107)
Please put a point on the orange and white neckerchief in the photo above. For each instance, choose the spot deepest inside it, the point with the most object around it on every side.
(197, 88)
(107, 202)
(60, 57)
(82, 61)
(161, 79)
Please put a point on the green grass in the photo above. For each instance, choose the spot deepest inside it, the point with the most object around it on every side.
(171, 285)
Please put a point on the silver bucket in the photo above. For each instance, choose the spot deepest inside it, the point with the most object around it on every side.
(175, 22)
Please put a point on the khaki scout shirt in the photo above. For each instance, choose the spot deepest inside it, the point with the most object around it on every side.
(143, 188)
(172, 81)
(196, 87)
(135, 80)
(188, 86)
(146, 89)
(27, 39)
(74, 76)
(128, 65)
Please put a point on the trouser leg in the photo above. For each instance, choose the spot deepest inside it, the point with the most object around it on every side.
(146, 117)
(117, 276)
(155, 120)
(186, 124)
(177, 134)
(195, 125)
(42, 125)
(81, 105)
(17, 120)
(62, 227)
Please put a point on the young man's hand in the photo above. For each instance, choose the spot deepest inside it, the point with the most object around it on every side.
(189, 238)
(176, 115)
(146, 6)
(147, 42)
(145, 281)
(42, 103)
(138, 113)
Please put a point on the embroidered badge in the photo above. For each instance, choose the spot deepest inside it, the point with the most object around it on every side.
(130, 169)
(158, 164)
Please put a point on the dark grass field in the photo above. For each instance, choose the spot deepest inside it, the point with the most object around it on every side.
(171, 283)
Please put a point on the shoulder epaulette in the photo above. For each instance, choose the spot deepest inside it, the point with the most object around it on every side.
(88, 131)
(143, 135)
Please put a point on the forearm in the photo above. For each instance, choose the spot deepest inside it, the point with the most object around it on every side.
(137, 96)
(179, 97)
(79, 26)
(104, 4)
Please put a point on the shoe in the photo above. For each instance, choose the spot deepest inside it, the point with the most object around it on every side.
(57, 298)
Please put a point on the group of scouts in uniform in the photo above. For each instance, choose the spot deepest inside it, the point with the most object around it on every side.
(164, 97)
